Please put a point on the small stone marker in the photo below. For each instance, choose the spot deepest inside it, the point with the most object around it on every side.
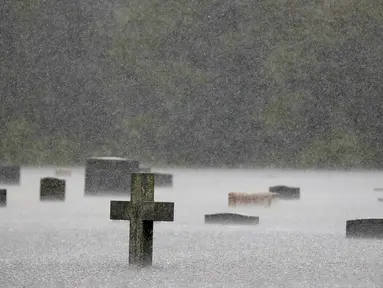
(231, 218)
(61, 172)
(145, 169)
(3, 197)
(141, 211)
(163, 179)
(52, 189)
(286, 192)
(10, 174)
(109, 174)
(364, 228)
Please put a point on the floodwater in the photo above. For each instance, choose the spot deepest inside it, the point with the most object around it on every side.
(297, 243)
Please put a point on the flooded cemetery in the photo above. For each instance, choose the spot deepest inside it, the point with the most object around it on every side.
(208, 228)
(191, 144)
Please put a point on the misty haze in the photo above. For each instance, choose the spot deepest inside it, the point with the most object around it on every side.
(257, 124)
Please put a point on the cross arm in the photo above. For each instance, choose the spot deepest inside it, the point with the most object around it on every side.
(150, 211)
(119, 210)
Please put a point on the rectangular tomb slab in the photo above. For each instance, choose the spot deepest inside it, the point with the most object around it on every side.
(231, 219)
(364, 228)
(286, 192)
(109, 175)
(52, 189)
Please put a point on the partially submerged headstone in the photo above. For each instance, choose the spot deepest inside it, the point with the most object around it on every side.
(163, 179)
(141, 211)
(145, 169)
(3, 197)
(52, 189)
(109, 174)
(231, 218)
(10, 174)
(380, 199)
(286, 192)
(241, 198)
(364, 228)
(61, 172)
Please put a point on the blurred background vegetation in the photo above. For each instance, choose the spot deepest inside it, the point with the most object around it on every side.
(282, 83)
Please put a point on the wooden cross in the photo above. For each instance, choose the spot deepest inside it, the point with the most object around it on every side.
(141, 211)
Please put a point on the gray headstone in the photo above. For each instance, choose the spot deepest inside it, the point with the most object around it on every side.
(109, 174)
(286, 192)
(231, 218)
(52, 189)
(145, 169)
(10, 174)
(162, 179)
(3, 197)
(141, 211)
(364, 228)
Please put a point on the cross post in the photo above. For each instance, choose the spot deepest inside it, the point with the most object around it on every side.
(141, 211)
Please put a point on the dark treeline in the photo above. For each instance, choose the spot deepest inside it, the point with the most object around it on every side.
(286, 83)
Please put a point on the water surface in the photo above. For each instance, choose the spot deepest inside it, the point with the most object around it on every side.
(297, 243)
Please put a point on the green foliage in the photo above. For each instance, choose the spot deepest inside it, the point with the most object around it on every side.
(265, 83)
(339, 149)
(21, 136)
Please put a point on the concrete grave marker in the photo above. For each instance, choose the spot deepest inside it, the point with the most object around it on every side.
(364, 228)
(286, 192)
(52, 189)
(145, 170)
(109, 175)
(141, 211)
(163, 179)
(231, 218)
(3, 197)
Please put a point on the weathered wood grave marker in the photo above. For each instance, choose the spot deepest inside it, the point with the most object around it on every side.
(141, 211)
